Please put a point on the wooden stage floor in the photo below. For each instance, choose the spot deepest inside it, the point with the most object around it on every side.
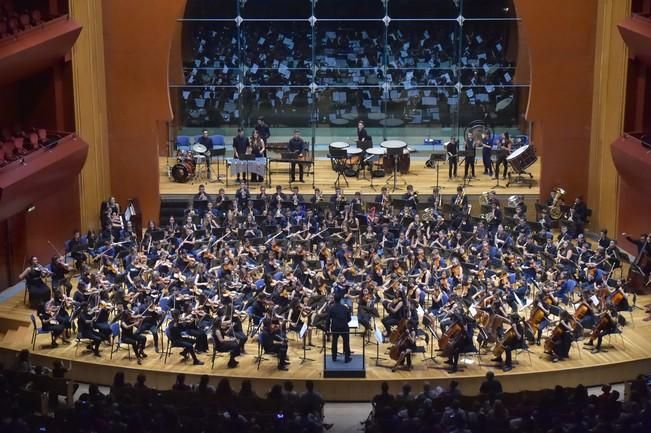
(422, 178)
(624, 360)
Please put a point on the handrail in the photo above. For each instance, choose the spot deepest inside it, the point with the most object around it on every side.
(23, 33)
(637, 136)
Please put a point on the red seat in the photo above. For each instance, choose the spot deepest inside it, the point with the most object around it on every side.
(37, 19)
(25, 22)
(19, 145)
(33, 140)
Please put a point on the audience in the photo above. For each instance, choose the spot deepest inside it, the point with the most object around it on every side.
(561, 410)
(13, 21)
(16, 143)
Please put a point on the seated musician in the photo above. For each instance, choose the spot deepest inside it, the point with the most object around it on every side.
(201, 199)
(59, 270)
(130, 335)
(223, 343)
(273, 341)
(77, 249)
(179, 339)
(513, 339)
(49, 322)
(317, 197)
(406, 346)
(33, 275)
(296, 198)
(606, 324)
(562, 343)
(205, 140)
(395, 310)
(298, 147)
(87, 329)
(462, 342)
(411, 197)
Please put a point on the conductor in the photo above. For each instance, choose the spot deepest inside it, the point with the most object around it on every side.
(338, 318)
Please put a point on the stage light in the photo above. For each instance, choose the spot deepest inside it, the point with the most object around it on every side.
(32, 208)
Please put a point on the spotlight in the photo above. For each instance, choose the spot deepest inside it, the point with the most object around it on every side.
(32, 208)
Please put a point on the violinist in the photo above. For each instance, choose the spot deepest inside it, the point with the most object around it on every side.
(151, 318)
(178, 339)
(49, 322)
(366, 309)
(129, 326)
(33, 275)
(87, 330)
(607, 324)
(59, 278)
(223, 343)
(78, 249)
(274, 341)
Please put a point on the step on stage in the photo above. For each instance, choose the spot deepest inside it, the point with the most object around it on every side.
(627, 356)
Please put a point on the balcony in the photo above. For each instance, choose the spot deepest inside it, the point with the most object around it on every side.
(35, 49)
(632, 157)
(36, 175)
(636, 32)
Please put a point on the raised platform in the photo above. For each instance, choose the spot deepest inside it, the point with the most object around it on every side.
(422, 178)
(625, 359)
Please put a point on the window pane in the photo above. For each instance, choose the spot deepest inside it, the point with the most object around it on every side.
(211, 9)
(211, 54)
(207, 107)
(349, 9)
(275, 9)
(347, 51)
(277, 53)
(423, 9)
(280, 106)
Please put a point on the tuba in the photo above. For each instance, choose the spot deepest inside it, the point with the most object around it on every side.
(555, 211)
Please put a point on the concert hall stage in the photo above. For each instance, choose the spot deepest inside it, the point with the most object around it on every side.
(624, 360)
(422, 178)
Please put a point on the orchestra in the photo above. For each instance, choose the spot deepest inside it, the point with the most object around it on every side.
(257, 267)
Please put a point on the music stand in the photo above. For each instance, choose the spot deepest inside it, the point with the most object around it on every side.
(157, 235)
(438, 158)
(216, 152)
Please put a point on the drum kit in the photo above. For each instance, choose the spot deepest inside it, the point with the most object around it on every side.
(189, 164)
(519, 160)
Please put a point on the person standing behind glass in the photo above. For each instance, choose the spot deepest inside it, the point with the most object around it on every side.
(470, 155)
(263, 130)
(486, 149)
(257, 150)
(452, 150)
(240, 147)
(297, 146)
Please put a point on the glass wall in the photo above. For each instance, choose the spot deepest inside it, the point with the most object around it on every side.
(411, 69)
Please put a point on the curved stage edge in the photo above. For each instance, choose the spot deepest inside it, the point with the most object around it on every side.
(624, 360)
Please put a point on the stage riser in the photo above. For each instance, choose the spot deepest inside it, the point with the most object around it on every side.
(354, 389)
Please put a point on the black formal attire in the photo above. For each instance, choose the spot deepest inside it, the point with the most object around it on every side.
(502, 154)
(452, 158)
(338, 318)
(363, 137)
(297, 146)
(39, 292)
(274, 343)
(486, 150)
(240, 145)
(470, 153)
(88, 332)
(179, 340)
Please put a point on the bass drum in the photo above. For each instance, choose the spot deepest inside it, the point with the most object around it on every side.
(183, 171)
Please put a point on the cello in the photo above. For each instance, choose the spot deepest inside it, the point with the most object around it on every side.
(452, 337)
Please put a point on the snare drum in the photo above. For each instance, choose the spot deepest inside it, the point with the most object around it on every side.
(199, 148)
(183, 171)
(522, 158)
